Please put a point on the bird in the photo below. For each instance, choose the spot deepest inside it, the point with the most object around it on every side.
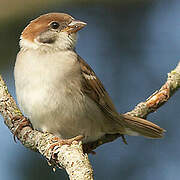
(60, 93)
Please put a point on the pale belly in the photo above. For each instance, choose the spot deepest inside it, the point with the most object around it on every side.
(63, 115)
(53, 101)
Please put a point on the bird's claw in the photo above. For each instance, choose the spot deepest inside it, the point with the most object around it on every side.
(60, 142)
(23, 122)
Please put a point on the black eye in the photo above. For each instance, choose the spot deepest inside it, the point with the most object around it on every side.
(54, 25)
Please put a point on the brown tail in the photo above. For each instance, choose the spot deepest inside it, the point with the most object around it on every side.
(138, 126)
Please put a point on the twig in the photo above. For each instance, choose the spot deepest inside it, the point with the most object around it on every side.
(160, 97)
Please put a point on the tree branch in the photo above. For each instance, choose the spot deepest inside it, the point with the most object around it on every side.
(72, 157)
(160, 97)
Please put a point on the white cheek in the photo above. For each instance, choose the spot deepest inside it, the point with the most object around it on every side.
(27, 44)
(65, 41)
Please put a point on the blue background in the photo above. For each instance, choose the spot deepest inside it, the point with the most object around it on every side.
(131, 47)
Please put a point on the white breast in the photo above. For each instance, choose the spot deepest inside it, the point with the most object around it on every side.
(48, 90)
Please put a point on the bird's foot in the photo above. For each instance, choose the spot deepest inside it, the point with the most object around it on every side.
(60, 142)
(22, 122)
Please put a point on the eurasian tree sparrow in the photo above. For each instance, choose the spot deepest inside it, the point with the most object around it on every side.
(59, 92)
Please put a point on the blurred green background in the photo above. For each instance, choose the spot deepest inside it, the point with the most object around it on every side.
(131, 45)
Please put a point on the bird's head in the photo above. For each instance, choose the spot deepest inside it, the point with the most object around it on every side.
(53, 31)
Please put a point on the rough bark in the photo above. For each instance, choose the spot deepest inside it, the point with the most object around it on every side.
(70, 157)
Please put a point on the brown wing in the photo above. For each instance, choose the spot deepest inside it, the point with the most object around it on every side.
(93, 87)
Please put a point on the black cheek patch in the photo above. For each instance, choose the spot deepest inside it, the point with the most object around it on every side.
(48, 37)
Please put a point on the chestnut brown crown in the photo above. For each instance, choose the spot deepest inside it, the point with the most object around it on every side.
(55, 22)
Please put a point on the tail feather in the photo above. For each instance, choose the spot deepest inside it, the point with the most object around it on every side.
(138, 126)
